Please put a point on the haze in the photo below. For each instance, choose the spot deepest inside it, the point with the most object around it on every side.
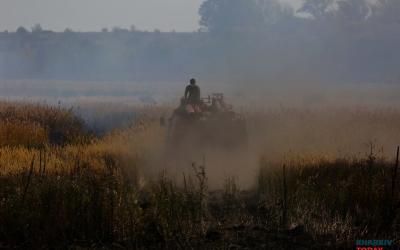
(93, 15)
(261, 42)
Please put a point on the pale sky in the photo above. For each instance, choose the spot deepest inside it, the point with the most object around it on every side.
(92, 15)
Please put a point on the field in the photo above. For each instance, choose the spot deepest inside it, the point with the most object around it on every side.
(92, 171)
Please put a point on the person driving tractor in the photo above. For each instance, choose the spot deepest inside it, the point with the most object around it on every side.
(192, 93)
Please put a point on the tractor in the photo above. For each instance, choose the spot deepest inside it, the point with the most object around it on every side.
(208, 123)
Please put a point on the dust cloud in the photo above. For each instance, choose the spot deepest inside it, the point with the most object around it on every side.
(282, 119)
(286, 121)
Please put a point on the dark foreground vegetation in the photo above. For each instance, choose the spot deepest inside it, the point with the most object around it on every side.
(323, 204)
(91, 194)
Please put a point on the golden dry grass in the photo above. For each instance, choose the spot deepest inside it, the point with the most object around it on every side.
(34, 125)
(96, 191)
(128, 147)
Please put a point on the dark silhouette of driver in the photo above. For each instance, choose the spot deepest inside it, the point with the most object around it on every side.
(192, 92)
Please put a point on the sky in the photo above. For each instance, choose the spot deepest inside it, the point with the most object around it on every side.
(93, 15)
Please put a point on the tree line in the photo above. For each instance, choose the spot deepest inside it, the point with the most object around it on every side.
(323, 40)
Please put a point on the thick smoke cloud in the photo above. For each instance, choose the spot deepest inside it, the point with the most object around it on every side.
(322, 41)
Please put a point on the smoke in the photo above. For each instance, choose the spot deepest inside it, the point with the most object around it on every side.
(258, 40)
(318, 77)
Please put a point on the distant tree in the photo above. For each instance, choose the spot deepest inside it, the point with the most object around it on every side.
(275, 12)
(37, 28)
(22, 30)
(230, 15)
(318, 9)
(68, 30)
(387, 12)
(132, 28)
(353, 11)
(104, 30)
(117, 29)
(344, 11)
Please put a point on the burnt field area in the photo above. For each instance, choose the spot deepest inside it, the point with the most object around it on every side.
(202, 124)
(308, 178)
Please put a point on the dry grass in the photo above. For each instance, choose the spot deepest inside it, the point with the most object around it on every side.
(92, 193)
(337, 132)
(345, 198)
(34, 125)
